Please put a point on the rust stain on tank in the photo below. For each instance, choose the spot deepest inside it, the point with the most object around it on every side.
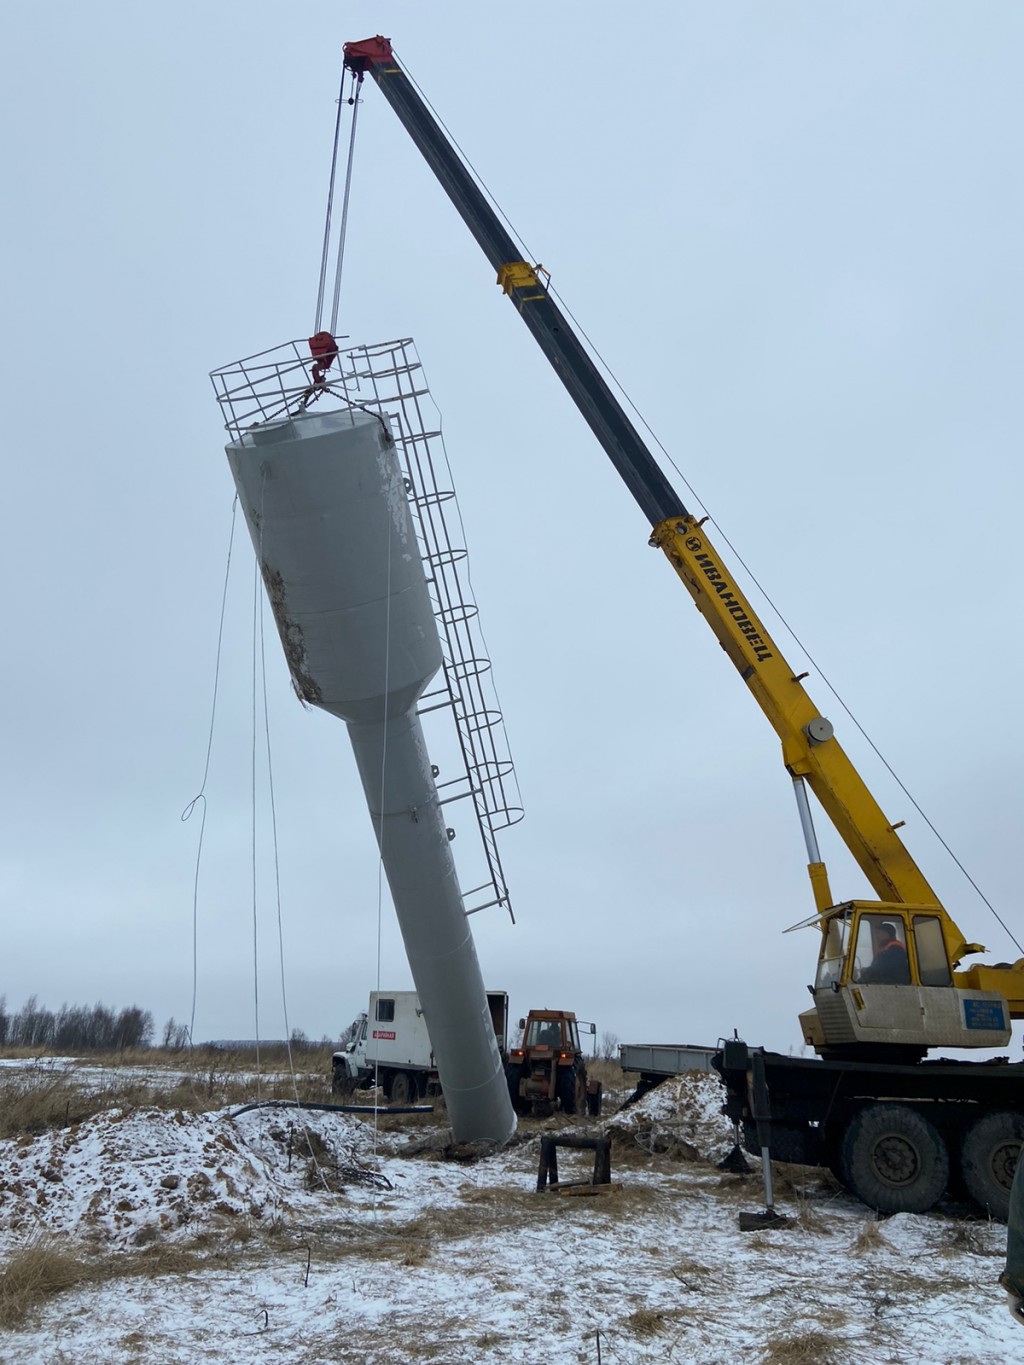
(291, 637)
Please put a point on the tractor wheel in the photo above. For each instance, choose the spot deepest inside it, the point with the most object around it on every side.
(893, 1159)
(513, 1075)
(572, 1089)
(988, 1159)
(403, 1088)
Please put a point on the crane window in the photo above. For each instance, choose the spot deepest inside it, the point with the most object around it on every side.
(932, 963)
(881, 957)
(385, 1011)
(833, 950)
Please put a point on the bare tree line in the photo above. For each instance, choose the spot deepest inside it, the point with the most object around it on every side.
(77, 1027)
(97, 1028)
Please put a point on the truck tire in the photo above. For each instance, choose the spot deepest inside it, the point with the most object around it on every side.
(572, 1089)
(893, 1159)
(988, 1159)
(341, 1082)
(403, 1088)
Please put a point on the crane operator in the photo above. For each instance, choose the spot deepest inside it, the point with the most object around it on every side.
(889, 963)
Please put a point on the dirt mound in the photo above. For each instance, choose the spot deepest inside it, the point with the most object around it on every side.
(681, 1118)
(128, 1177)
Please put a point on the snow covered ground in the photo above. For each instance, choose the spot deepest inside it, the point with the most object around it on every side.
(326, 1237)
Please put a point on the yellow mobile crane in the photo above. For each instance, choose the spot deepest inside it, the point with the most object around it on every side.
(891, 981)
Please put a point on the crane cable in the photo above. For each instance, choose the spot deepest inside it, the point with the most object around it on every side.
(325, 253)
(340, 261)
(528, 256)
(791, 631)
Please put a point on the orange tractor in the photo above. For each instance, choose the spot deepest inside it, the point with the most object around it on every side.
(548, 1070)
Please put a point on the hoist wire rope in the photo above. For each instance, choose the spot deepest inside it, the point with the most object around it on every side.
(255, 917)
(186, 814)
(791, 631)
(872, 745)
(343, 230)
(326, 252)
(617, 385)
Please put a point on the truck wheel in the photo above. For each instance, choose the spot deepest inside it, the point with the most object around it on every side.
(342, 1083)
(403, 1088)
(893, 1159)
(572, 1089)
(988, 1159)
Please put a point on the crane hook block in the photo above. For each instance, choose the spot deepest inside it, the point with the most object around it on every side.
(369, 52)
(324, 350)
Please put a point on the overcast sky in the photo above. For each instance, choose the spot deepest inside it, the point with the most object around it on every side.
(793, 230)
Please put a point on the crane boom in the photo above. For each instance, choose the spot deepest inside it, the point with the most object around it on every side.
(523, 284)
(881, 855)
(810, 750)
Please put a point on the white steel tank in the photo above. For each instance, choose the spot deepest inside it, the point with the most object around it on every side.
(325, 502)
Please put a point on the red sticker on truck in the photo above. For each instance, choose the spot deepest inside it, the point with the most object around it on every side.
(383, 1033)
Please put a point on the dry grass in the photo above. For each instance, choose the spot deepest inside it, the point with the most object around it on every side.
(38, 1100)
(870, 1238)
(692, 1275)
(43, 1268)
(803, 1348)
(36, 1103)
(967, 1237)
(37, 1273)
(610, 1074)
(647, 1322)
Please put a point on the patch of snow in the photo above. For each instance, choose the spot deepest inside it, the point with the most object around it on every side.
(400, 1256)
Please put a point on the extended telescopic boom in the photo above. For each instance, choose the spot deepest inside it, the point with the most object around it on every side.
(810, 751)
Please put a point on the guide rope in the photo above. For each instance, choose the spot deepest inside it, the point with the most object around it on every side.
(383, 772)
(186, 814)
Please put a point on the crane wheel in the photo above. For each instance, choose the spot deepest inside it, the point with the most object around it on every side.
(988, 1159)
(893, 1159)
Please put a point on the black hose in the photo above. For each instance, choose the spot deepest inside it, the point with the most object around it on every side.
(334, 1108)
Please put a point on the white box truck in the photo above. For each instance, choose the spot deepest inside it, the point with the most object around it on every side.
(389, 1046)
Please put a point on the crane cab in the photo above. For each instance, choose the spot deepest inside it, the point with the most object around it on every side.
(884, 981)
